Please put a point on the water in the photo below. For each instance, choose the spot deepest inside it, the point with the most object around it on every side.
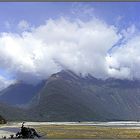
(14, 127)
(105, 124)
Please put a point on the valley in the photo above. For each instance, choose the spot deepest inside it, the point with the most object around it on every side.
(94, 130)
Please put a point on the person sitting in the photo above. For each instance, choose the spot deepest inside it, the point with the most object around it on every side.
(28, 132)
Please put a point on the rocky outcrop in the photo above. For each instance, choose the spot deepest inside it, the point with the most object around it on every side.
(2, 120)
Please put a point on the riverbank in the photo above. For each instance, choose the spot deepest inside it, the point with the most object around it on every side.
(93, 130)
(88, 131)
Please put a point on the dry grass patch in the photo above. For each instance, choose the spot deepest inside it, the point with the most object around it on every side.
(82, 131)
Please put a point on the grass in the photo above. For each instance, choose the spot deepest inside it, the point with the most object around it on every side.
(82, 131)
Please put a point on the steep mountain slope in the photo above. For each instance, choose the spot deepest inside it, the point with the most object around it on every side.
(57, 103)
(68, 97)
(20, 93)
(11, 113)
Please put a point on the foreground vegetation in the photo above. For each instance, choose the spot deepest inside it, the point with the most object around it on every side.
(82, 131)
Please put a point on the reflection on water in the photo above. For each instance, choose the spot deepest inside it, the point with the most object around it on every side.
(10, 129)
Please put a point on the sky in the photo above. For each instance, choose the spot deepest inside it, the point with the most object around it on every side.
(38, 39)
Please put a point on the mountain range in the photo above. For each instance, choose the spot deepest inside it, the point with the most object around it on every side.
(65, 96)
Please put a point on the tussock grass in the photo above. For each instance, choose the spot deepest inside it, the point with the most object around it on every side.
(82, 131)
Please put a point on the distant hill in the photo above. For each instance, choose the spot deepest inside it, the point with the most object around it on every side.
(66, 96)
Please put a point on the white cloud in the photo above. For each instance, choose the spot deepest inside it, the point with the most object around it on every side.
(75, 45)
(129, 33)
(23, 25)
(126, 60)
(78, 46)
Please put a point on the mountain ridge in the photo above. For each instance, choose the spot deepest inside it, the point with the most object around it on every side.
(66, 96)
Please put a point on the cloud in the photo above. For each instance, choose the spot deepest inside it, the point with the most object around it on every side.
(125, 60)
(84, 11)
(59, 44)
(80, 46)
(5, 83)
(23, 25)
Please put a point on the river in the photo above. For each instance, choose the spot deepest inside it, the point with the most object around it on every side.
(13, 127)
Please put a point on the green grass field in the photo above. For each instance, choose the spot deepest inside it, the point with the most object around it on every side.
(82, 131)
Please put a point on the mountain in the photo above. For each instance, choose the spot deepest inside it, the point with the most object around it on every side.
(12, 113)
(66, 96)
(19, 94)
(62, 99)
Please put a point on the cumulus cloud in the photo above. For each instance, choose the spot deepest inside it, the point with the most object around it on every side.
(125, 61)
(58, 44)
(79, 46)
